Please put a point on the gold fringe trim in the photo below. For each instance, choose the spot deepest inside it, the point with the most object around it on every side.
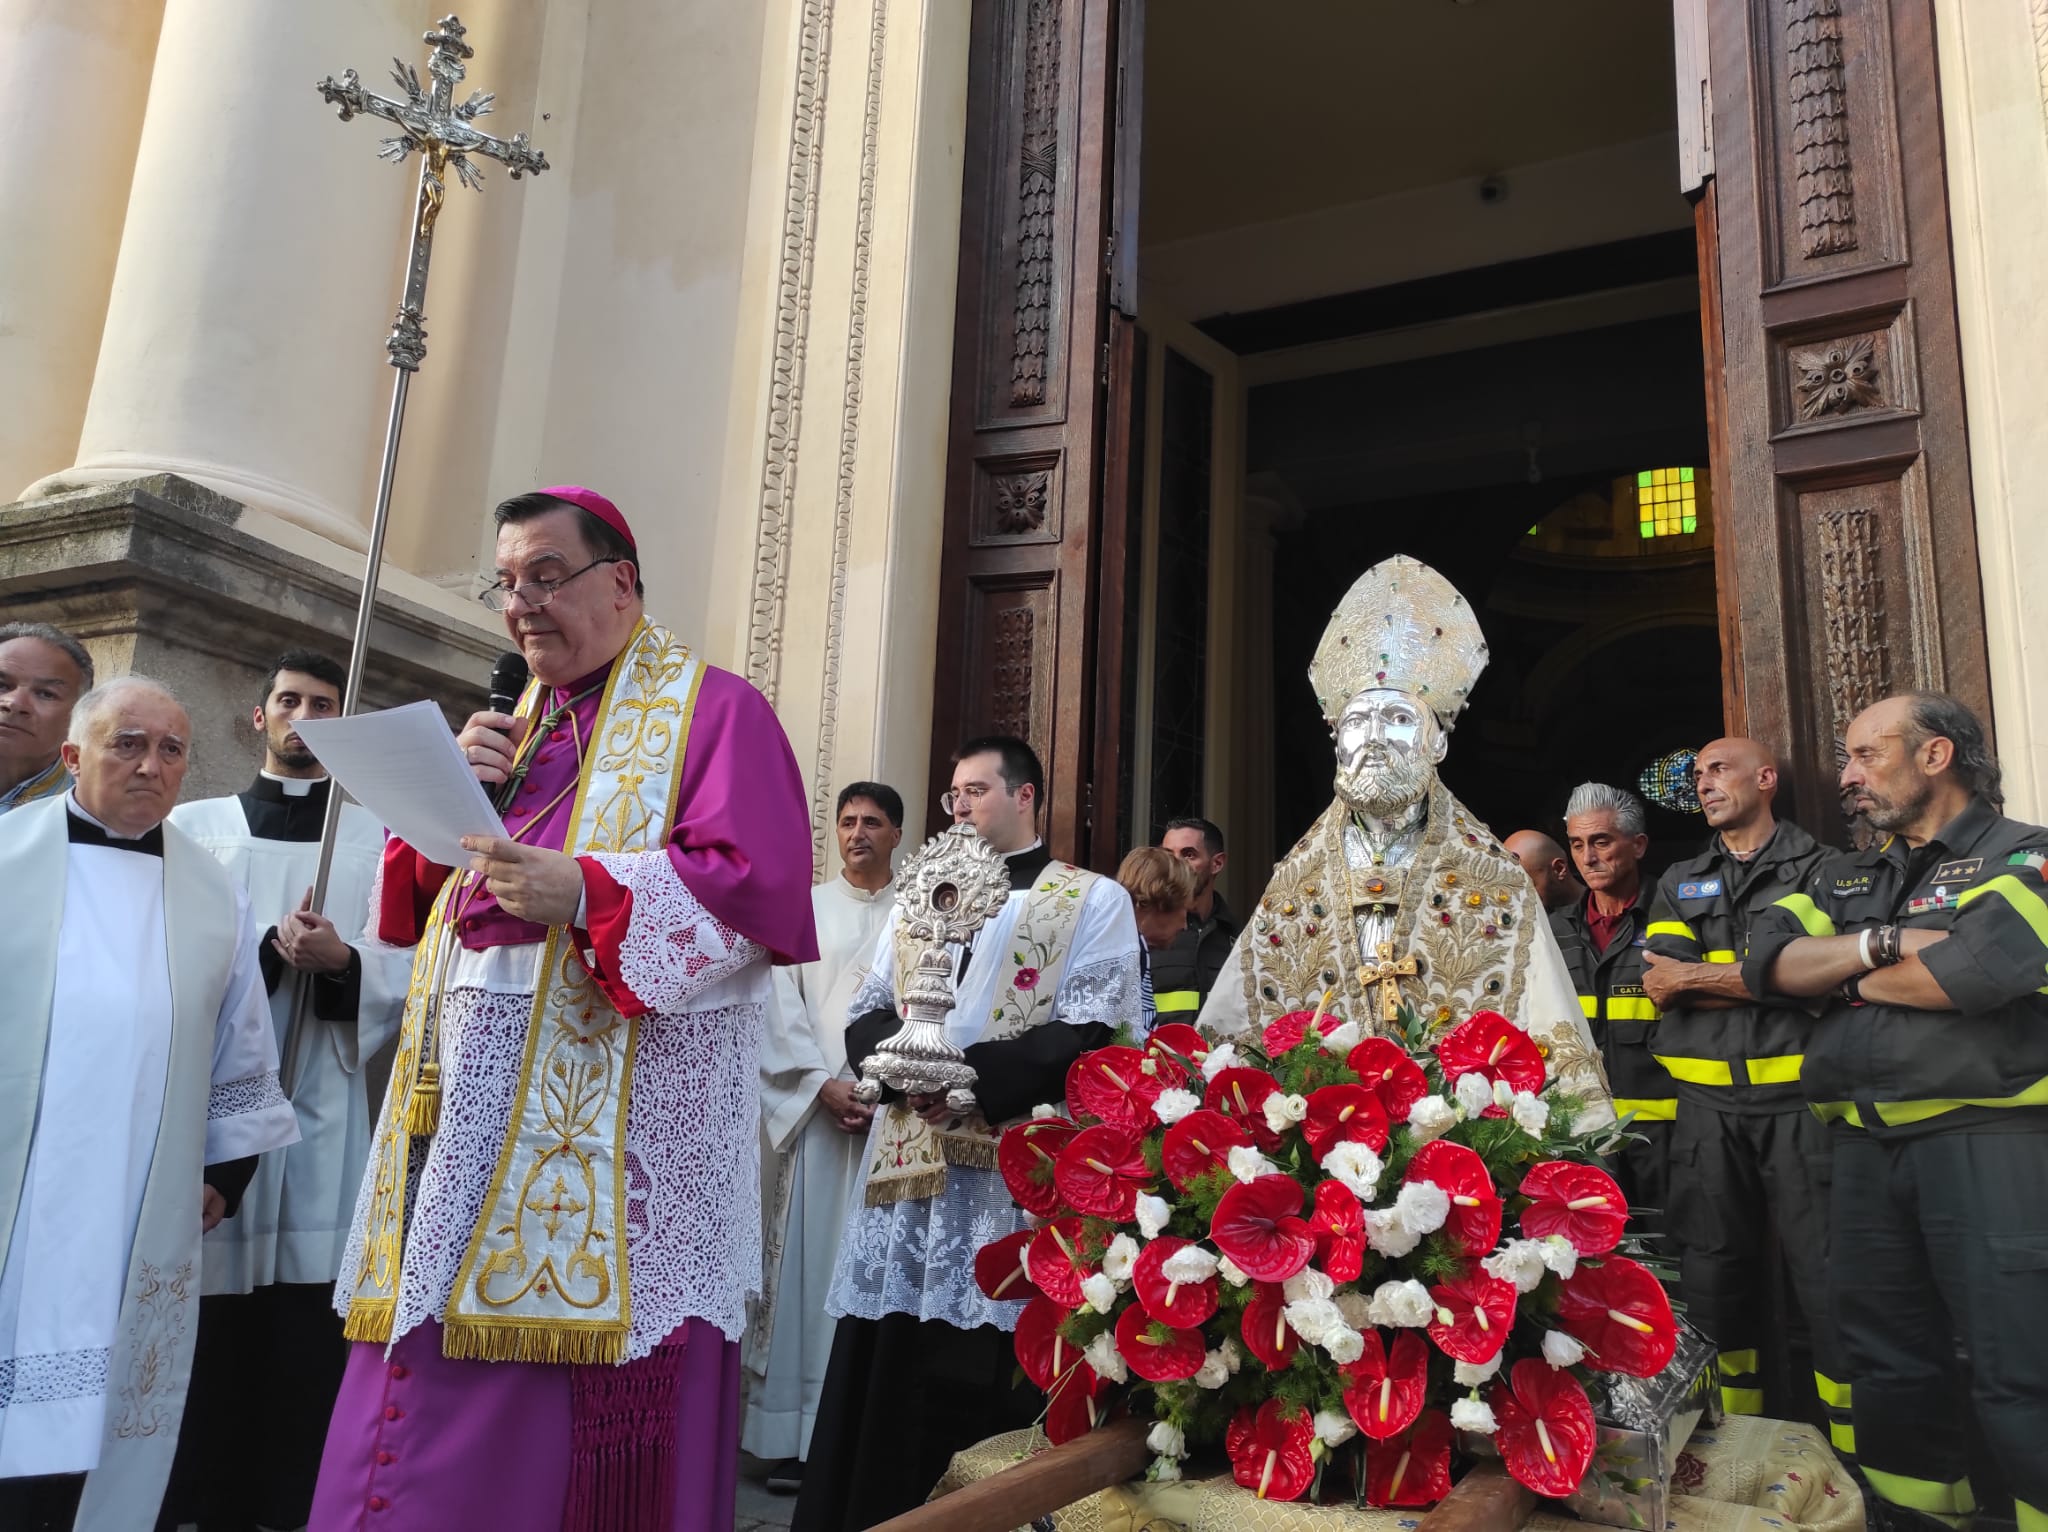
(423, 1106)
(369, 1319)
(926, 1183)
(531, 1340)
(969, 1151)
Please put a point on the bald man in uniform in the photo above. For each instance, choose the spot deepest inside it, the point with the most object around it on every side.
(1544, 860)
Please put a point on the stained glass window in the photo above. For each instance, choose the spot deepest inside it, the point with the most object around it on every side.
(1667, 503)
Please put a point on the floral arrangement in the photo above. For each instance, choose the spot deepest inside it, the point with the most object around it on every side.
(1327, 1250)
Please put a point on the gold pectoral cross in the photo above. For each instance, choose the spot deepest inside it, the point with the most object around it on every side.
(1387, 975)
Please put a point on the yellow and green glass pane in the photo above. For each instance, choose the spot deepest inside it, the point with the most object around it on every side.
(1667, 503)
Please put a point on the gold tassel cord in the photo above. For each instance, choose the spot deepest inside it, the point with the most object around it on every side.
(423, 1105)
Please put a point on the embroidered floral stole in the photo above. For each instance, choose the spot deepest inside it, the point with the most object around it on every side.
(909, 1156)
(545, 1276)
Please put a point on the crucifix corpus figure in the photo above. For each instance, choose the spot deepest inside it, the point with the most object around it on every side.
(1398, 865)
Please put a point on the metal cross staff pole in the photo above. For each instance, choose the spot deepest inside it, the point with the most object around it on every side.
(430, 121)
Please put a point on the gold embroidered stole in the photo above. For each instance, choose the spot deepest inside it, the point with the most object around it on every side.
(53, 780)
(910, 1156)
(545, 1277)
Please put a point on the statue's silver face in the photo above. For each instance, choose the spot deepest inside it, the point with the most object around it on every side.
(1388, 746)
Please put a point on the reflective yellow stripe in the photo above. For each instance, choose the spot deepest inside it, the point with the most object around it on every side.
(1672, 928)
(1647, 1111)
(1177, 1000)
(1837, 1111)
(1804, 911)
(2030, 1519)
(1833, 1394)
(1923, 1494)
(1741, 1363)
(1720, 955)
(1782, 1069)
(1742, 1401)
(1631, 1008)
(2025, 903)
(1590, 1004)
(1898, 1114)
(1843, 1436)
(1697, 1071)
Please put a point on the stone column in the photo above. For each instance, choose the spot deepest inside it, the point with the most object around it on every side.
(258, 266)
(63, 189)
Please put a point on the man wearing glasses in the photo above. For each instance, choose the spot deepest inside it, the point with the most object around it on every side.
(559, 1226)
(1050, 976)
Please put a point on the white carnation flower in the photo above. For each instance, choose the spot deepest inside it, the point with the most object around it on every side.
(1531, 1115)
(1230, 1273)
(1562, 1350)
(1165, 1470)
(1431, 1118)
(1402, 1305)
(1356, 1307)
(1221, 1057)
(1119, 1258)
(1284, 1111)
(1212, 1373)
(1334, 1428)
(1246, 1163)
(1503, 1095)
(1345, 1345)
(1519, 1261)
(1474, 1092)
(1044, 1109)
(1560, 1255)
(1356, 1166)
(1307, 1283)
(1472, 1415)
(1189, 1264)
(1173, 1105)
(1387, 1235)
(1423, 1206)
(1472, 1374)
(1232, 1354)
(1313, 1319)
(1341, 1040)
(1167, 1440)
(1152, 1215)
(1102, 1355)
(1099, 1292)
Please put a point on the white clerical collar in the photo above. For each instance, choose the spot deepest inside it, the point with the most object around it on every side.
(71, 802)
(293, 787)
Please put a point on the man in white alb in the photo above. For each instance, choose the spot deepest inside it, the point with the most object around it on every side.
(138, 1078)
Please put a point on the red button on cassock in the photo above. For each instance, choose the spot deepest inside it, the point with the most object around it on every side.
(398, 1371)
(377, 1502)
(393, 1412)
(385, 1460)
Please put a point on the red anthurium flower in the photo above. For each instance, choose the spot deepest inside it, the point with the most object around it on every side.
(1238, 1432)
(1101, 1171)
(1240, 1094)
(1111, 1084)
(1384, 1388)
(1344, 1114)
(1157, 1353)
(1182, 1304)
(1581, 1202)
(1176, 1040)
(1258, 1225)
(1493, 1046)
(1073, 1406)
(1272, 1458)
(1474, 1313)
(1383, 1067)
(1474, 1219)
(1545, 1427)
(1026, 1155)
(1413, 1469)
(1339, 1225)
(999, 1269)
(1198, 1143)
(1287, 1031)
(1056, 1261)
(1042, 1351)
(1620, 1314)
(1265, 1328)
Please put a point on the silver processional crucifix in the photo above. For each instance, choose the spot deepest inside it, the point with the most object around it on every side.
(430, 121)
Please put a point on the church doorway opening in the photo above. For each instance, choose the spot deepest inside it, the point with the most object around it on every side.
(1417, 279)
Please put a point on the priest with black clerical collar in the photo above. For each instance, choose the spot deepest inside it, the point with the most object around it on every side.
(138, 1080)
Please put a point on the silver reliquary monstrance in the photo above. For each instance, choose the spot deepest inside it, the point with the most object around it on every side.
(943, 894)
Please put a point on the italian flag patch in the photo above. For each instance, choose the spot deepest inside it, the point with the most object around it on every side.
(2034, 859)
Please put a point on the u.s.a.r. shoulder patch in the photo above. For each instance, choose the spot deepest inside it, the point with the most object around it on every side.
(1855, 883)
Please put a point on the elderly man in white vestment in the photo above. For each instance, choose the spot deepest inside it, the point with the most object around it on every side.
(138, 1079)
(271, 1348)
(817, 1131)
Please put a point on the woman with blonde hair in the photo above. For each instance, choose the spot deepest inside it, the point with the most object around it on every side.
(1161, 887)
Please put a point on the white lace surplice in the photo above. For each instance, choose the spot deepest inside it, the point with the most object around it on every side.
(917, 1256)
(693, 1224)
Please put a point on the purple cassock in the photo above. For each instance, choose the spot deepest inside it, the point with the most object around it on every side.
(421, 1441)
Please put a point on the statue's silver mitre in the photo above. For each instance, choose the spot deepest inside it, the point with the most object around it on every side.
(943, 895)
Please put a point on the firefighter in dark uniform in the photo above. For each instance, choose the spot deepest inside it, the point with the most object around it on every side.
(1931, 1063)
(1603, 939)
(1745, 1153)
(1185, 972)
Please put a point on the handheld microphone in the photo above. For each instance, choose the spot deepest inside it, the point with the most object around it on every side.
(508, 679)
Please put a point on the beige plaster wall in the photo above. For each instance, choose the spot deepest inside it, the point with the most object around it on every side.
(1994, 92)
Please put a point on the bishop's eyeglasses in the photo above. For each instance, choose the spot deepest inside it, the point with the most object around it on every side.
(955, 799)
(535, 593)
